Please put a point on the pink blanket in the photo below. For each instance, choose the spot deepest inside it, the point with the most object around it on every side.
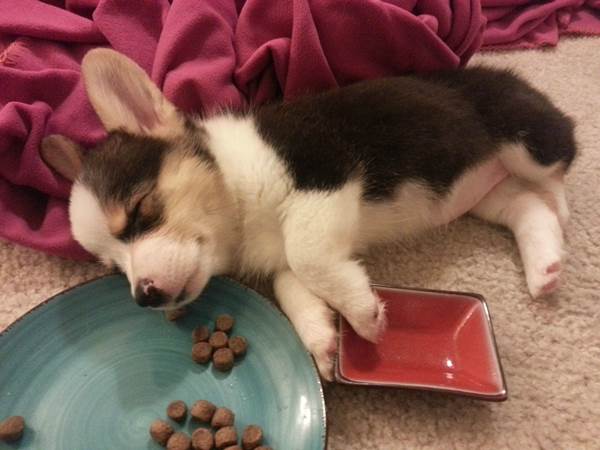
(530, 23)
(210, 53)
(203, 54)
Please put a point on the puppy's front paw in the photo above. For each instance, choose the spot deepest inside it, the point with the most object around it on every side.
(368, 318)
(324, 354)
(321, 341)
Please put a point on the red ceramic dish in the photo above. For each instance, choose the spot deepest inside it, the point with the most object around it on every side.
(435, 340)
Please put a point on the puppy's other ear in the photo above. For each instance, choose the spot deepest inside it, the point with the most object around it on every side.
(63, 155)
(123, 95)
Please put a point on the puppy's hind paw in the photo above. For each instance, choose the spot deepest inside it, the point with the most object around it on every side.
(546, 281)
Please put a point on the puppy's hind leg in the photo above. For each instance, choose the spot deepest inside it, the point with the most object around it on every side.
(536, 227)
(312, 319)
(546, 179)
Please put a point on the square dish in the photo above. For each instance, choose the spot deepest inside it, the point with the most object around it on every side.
(435, 340)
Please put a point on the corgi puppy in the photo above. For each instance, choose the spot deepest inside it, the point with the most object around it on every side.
(298, 189)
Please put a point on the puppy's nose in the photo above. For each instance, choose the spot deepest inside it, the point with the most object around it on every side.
(146, 294)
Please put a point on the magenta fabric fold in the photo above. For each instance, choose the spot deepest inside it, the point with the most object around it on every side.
(515, 24)
(205, 55)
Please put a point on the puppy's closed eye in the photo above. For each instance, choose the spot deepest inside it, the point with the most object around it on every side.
(145, 215)
(136, 211)
(149, 205)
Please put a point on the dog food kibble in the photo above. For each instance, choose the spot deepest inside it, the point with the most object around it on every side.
(177, 411)
(200, 334)
(161, 431)
(175, 314)
(11, 429)
(202, 439)
(224, 323)
(218, 340)
(223, 359)
(203, 411)
(225, 437)
(223, 417)
(238, 345)
(202, 352)
(217, 345)
(179, 441)
(252, 437)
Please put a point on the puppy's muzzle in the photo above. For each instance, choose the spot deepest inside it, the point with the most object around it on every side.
(146, 294)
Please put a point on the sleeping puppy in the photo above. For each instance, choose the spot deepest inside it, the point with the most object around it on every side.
(298, 189)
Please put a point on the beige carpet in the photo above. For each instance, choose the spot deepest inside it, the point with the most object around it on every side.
(550, 349)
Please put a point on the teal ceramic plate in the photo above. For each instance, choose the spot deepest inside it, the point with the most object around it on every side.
(91, 370)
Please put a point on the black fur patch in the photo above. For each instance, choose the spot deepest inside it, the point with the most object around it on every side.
(513, 110)
(119, 168)
(122, 164)
(427, 128)
(196, 135)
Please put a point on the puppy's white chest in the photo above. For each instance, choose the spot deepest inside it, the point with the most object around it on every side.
(260, 183)
(262, 249)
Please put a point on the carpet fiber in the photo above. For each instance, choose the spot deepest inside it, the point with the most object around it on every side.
(550, 349)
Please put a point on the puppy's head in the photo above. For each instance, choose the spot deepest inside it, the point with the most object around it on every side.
(149, 198)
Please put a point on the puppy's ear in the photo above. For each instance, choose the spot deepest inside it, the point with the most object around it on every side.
(63, 155)
(123, 95)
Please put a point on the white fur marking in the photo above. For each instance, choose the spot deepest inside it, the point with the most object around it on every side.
(311, 318)
(518, 161)
(415, 207)
(90, 228)
(536, 229)
(260, 184)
